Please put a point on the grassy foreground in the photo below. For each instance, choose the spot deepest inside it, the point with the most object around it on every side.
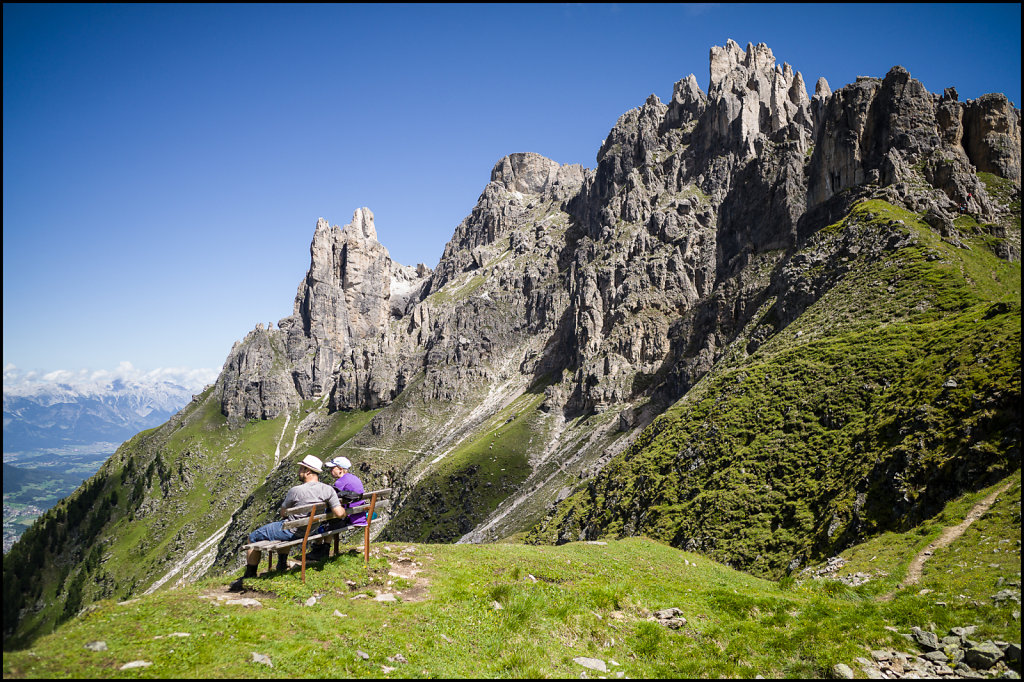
(509, 610)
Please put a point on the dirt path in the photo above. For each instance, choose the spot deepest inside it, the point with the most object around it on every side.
(948, 535)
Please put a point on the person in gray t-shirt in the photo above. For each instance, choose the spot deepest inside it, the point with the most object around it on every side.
(310, 491)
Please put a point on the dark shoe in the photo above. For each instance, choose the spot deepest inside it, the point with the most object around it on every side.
(318, 553)
(282, 562)
(250, 572)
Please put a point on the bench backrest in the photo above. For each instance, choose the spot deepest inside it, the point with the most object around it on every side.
(320, 512)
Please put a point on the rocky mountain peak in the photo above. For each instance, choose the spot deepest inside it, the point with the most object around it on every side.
(519, 185)
(525, 172)
(751, 98)
(890, 132)
(343, 305)
(345, 294)
(726, 59)
(821, 88)
(362, 224)
(687, 104)
(684, 195)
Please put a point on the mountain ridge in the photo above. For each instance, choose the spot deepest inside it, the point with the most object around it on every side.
(57, 414)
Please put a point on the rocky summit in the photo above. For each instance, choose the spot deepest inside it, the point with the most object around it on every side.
(765, 326)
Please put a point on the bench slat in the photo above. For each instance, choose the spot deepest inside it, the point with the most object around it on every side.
(272, 545)
(306, 508)
(299, 523)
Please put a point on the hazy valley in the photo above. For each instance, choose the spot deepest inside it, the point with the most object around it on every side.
(58, 434)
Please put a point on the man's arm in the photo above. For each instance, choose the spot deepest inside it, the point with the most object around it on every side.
(334, 503)
(289, 502)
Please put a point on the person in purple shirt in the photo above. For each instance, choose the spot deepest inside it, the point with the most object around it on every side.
(348, 486)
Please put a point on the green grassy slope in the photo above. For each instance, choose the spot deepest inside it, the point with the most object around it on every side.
(556, 604)
(475, 477)
(894, 391)
(161, 494)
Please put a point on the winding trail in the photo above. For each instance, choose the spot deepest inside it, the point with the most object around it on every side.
(277, 451)
(948, 535)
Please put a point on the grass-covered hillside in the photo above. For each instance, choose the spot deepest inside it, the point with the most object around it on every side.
(511, 610)
(156, 511)
(882, 380)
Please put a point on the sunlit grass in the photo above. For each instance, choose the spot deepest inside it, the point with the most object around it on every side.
(527, 611)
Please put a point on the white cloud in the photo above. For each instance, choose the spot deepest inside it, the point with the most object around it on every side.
(19, 382)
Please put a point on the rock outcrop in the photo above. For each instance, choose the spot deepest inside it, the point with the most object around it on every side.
(329, 345)
(890, 132)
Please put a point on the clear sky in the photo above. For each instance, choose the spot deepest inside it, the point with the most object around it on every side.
(165, 165)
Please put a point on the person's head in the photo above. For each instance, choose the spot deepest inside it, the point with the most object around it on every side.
(338, 466)
(310, 468)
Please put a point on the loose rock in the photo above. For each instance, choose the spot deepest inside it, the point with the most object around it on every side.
(842, 671)
(592, 663)
(983, 655)
(261, 659)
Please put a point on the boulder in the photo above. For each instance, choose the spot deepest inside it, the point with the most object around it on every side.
(983, 656)
(927, 640)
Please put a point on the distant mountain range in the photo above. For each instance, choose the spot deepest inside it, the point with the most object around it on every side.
(39, 414)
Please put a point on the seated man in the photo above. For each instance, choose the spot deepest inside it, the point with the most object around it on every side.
(349, 489)
(310, 491)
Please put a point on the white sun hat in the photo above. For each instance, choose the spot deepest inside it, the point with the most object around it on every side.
(312, 462)
(342, 462)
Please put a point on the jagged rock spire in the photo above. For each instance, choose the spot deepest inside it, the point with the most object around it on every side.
(362, 224)
(753, 99)
(688, 102)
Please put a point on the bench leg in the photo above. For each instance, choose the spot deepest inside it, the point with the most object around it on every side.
(309, 527)
(366, 534)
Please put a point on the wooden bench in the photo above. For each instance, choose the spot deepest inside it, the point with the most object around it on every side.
(319, 513)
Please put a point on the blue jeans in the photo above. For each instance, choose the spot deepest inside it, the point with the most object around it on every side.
(271, 531)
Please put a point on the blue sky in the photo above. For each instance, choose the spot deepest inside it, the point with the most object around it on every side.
(165, 165)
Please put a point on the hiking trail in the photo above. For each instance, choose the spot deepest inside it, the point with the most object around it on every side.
(948, 535)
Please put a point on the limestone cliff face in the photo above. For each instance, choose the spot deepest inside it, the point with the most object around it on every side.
(683, 197)
(329, 344)
(615, 289)
(882, 132)
(752, 99)
(637, 272)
